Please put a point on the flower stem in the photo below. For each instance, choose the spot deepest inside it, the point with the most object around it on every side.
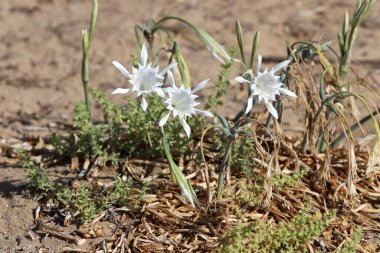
(170, 59)
(86, 41)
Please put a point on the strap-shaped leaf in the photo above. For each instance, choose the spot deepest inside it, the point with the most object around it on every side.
(211, 44)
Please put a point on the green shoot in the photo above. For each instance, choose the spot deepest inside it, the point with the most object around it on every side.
(86, 42)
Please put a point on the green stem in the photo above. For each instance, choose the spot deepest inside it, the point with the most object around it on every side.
(168, 154)
(85, 77)
(241, 113)
(223, 168)
(158, 23)
(170, 60)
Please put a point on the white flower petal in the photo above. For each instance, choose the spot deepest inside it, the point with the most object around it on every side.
(164, 119)
(144, 104)
(281, 65)
(160, 92)
(168, 68)
(287, 92)
(144, 55)
(249, 105)
(171, 79)
(271, 109)
(204, 113)
(241, 79)
(259, 60)
(121, 68)
(169, 90)
(175, 112)
(186, 127)
(120, 91)
(200, 86)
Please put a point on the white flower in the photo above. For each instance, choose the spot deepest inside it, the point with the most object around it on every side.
(145, 80)
(266, 85)
(181, 103)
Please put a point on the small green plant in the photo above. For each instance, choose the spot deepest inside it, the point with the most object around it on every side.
(122, 191)
(37, 178)
(87, 201)
(290, 237)
(86, 42)
(221, 84)
(89, 141)
(347, 37)
(243, 152)
(280, 180)
(352, 245)
(80, 201)
(250, 190)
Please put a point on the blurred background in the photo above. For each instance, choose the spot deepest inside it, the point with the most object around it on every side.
(40, 45)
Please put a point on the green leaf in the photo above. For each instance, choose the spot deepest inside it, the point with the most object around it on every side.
(137, 36)
(94, 15)
(223, 121)
(255, 44)
(214, 47)
(182, 66)
(239, 35)
(345, 25)
(211, 44)
(177, 175)
(226, 131)
(85, 43)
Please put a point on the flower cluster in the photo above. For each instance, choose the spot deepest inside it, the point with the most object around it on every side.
(147, 80)
(265, 85)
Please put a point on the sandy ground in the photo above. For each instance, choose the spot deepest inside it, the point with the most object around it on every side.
(40, 60)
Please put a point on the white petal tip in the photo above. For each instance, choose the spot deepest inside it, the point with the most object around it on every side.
(120, 91)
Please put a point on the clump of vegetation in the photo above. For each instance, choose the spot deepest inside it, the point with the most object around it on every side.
(243, 152)
(285, 237)
(84, 201)
(81, 202)
(352, 245)
(280, 180)
(125, 132)
(37, 178)
(87, 201)
(250, 191)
